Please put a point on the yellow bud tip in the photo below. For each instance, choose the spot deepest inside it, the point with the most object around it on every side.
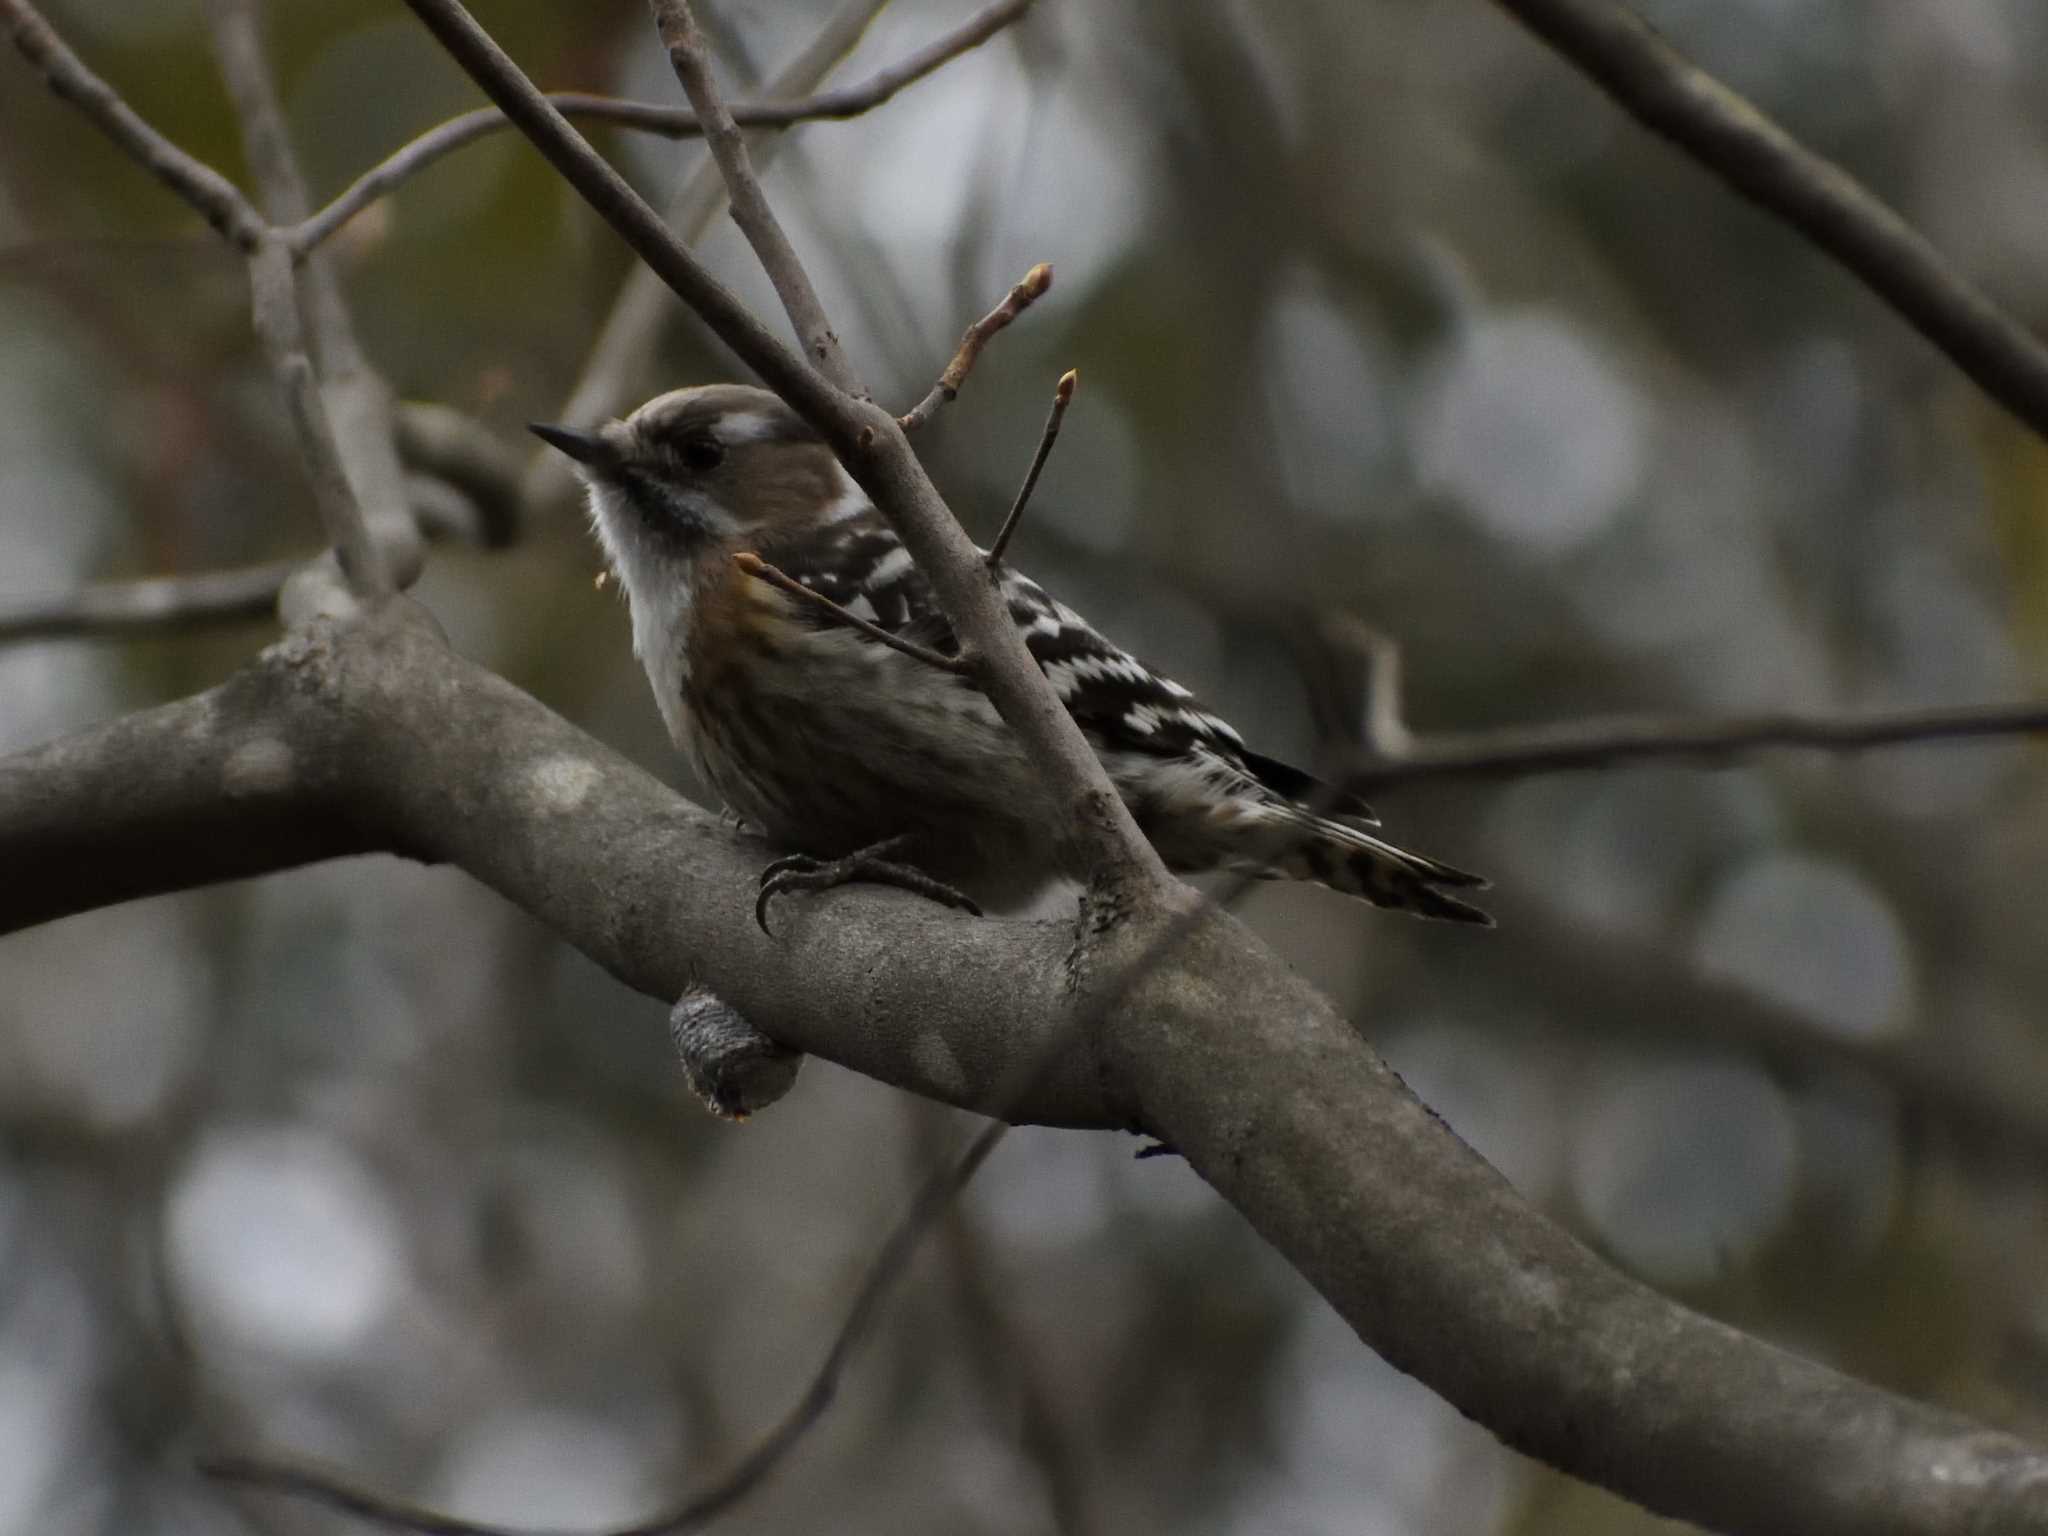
(1069, 382)
(748, 562)
(1037, 280)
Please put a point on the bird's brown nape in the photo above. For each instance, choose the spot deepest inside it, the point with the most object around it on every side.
(775, 483)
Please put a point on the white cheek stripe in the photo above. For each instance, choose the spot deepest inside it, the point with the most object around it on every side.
(745, 426)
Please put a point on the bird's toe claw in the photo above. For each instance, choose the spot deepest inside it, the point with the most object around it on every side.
(874, 865)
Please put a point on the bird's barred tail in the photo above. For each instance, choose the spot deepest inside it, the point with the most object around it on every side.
(1346, 859)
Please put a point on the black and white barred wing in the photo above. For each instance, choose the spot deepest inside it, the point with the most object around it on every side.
(860, 564)
(1201, 795)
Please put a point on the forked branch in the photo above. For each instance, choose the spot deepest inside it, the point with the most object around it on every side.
(216, 199)
(654, 117)
(273, 283)
(691, 60)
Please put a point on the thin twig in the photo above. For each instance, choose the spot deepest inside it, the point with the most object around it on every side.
(754, 566)
(1599, 744)
(932, 1198)
(1382, 732)
(622, 357)
(150, 604)
(1015, 302)
(658, 118)
(1669, 94)
(1062, 397)
(259, 114)
(691, 60)
(1001, 1346)
(212, 194)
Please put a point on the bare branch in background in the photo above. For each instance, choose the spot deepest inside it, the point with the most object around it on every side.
(778, 111)
(1992, 1110)
(1006, 1358)
(274, 302)
(1020, 298)
(1577, 745)
(691, 59)
(149, 605)
(753, 1469)
(212, 194)
(1726, 133)
(273, 283)
(453, 447)
(357, 402)
(1062, 397)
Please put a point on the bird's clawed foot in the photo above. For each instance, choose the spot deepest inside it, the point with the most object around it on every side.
(879, 864)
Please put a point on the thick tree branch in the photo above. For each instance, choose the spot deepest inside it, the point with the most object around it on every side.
(370, 736)
(1669, 94)
(1101, 840)
(784, 108)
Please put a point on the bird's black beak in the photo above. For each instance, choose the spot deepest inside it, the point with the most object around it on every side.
(584, 447)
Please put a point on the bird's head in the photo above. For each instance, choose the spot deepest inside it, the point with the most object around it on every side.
(698, 471)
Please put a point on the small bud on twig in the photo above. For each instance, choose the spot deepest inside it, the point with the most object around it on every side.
(1020, 298)
(1062, 397)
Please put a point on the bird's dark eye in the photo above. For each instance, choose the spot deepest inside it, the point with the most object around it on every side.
(703, 452)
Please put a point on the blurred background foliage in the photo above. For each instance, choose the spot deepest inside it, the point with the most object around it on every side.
(1379, 309)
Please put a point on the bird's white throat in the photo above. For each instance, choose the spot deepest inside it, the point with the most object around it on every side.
(658, 586)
